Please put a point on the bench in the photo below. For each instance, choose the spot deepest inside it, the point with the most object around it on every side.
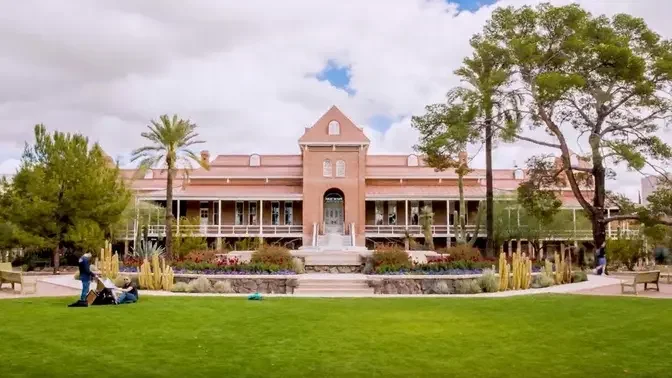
(12, 277)
(645, 278)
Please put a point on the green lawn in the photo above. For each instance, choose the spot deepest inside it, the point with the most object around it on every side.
(534, 336)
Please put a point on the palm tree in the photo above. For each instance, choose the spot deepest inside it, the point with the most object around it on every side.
(171, 139)
(493, 107)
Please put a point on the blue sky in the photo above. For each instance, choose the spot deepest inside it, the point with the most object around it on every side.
(339, 76)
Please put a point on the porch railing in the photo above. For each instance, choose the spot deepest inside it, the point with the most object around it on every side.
(217, 230)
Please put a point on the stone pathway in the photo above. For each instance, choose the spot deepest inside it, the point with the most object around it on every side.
(595, 285)
(43, 289)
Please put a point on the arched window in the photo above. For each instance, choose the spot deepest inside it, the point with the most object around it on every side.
(255, 160)
(334, 128)
(518, 174)
(340, 168)
(412, 161)
(326, 168)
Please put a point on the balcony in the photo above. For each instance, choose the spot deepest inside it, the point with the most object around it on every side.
(398, 231)
(224, 231)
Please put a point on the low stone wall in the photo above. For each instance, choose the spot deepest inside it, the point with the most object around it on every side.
(416, 284)
(266, 284)
(333, 268)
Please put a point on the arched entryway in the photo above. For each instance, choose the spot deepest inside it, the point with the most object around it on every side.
(334, 210)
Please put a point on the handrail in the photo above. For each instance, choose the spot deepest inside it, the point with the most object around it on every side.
(352, 233)
(314, 242)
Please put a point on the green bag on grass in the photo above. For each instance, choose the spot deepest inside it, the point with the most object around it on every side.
(255, 297)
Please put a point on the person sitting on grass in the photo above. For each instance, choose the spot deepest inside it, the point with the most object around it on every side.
(129, 292)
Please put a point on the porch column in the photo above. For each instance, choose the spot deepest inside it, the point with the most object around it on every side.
(406, 215)
(541, 249)
(219, 221)
(178, 216)
(261, 218)
(529, 250)
(509, 251)
(135, 223)
(608, 224)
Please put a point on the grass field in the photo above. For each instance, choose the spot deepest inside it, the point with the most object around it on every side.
(532, 336)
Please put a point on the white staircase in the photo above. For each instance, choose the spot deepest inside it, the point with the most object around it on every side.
(334, 285)
(334, 241)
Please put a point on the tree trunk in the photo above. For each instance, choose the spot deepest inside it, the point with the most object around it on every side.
(489, 196)
(56, 258)
(463, 208)
(599, 193)
(169, 212)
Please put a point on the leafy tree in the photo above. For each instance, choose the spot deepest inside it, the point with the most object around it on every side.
(469, 117)
(66, 193)
(170, 141)
(605, 79)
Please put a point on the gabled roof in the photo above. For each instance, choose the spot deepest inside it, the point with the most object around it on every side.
(319, 134)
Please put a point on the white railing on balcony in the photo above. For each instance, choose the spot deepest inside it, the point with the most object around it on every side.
(223, 230)
(401, 229)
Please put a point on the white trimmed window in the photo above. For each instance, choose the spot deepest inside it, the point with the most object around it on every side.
(289, 213)
(379, 213)
(415, 213)
(252, 213)
(239, 213)
(334, 128)
(412, 161)
(275, 213)
(326, 168)
(255, 160)
(518, 174)
(392, 212)
(340, 168)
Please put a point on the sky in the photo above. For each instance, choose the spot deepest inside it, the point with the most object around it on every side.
(251, 74)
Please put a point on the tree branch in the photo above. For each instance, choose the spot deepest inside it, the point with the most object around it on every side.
(616, 218)
(526, 139)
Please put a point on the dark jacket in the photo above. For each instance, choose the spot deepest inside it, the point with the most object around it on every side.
(85, 273)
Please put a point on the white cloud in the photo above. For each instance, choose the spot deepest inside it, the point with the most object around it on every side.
(243, 72)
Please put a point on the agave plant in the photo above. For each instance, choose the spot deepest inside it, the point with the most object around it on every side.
(146, 249)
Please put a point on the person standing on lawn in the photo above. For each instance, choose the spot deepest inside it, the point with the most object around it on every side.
(85, 274)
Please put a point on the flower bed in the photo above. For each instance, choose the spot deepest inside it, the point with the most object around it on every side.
(444, 265)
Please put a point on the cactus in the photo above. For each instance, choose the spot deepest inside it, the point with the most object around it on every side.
(145, 278)
(503, 272)
(548, 268)
(156, 272)
(563, 272)
(107, 263)
(522, 271)
(167, 279)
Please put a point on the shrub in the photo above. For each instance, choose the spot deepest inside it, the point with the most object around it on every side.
(488, 281)
(542, 280)
(201, 256)
(199, 285)
(579, 277)
(391, 255)
(662, 255)
(298, 265)
(467, 287)
(222, 287)
(274, 255)
(625, 252)
(367, 262)
(180, 287)
(463, 252)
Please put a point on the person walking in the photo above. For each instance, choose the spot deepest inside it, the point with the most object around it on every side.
(85, 274)
(601, 258)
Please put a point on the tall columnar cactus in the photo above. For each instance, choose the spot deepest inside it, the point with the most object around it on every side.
(145, 278)
(108, 264)
(548, 268)
(562, 269)
(503, 272)
(156, 272)
(167, 279)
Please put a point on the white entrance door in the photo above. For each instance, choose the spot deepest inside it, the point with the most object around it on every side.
(333, 214)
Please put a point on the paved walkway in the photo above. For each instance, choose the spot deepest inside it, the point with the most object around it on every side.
(66, 285)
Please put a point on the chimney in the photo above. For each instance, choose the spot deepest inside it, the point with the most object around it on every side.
(205, 156)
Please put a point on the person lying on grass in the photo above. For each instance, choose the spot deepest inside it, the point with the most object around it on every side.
(129, 292)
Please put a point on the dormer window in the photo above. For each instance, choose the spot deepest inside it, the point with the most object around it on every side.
(149, 174)
(334, 128)
(326, 168)
(412, 161)
(518, 174)
(255, 160)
